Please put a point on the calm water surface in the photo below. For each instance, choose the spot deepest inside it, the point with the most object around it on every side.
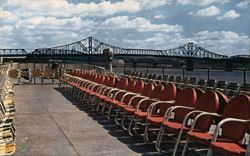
(234, 76)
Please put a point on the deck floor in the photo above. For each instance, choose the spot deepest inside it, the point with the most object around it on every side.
(49, 122)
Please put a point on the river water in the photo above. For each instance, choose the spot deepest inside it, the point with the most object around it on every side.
(234, 76)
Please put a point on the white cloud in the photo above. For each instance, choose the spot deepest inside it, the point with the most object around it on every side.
(53, 23)
(201, 2)
(64, 8)
(6, 29)
(158, 41)
(6, 16)
(46, 23)
(159, 16)
(230, 15)
(209, 11)
(140, 24)
(223, 42)
(243, 5)
(6, 32)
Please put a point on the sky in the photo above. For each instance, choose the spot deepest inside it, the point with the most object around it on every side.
(221, 26)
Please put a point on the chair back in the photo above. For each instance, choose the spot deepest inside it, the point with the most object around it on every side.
(208, 102)
(239, 108)
(188, 98)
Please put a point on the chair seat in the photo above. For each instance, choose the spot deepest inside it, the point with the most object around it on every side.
(82, 89)
(103, 97)
(8, 102)
(97, 94)
(226, 148)
(78, 87)
(141, 115)
(174, 127)
(129, 109)
(115, 102)
(200, 137)
(92, 93)
(155, 120)
(108, 100)
(7, 149)
(122, 105)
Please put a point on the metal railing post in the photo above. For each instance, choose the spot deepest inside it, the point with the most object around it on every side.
(183, 72)
(244, 79)
(208, 73)
(124, 68)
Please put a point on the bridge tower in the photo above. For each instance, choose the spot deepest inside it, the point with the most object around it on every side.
(189, 60)
(90, 48)
(229, 65)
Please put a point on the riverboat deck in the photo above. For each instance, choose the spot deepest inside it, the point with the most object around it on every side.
(49, 122)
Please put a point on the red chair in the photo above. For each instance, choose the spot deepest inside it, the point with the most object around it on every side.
(105, 92)
(206, 103)
(129, 107)
(157, 110)
(141, 110)
(234, 126)
(237, 109)
(185, 102)
(118, 95)
(138, 88)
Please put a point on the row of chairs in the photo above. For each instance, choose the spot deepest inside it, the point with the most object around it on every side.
(229, 89)
(7, 114)
(29, 75)
(160, 112)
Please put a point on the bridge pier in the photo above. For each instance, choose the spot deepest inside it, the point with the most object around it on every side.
(1, 60)
(134, 66)
(229, 65)
(189, 64)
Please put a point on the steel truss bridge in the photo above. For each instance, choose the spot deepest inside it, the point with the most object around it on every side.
(92, 49)
(92, 46)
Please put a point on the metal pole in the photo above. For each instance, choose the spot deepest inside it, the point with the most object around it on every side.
(20, 72)
(208, 73)
(42, 73)
(163, 71)
(34, 67)
(244, 78)
(183, 72)
(110, 67)
(147, 69)
(124, 68)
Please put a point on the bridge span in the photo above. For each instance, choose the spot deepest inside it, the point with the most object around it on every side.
(91, 50)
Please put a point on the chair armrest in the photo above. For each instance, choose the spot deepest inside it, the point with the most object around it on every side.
(202, 113)
(188, 116)
(143, 100)
(151, 108)
(226, 120)
(173, 108)
(120, 92)
(127, 94)
(112, 92)
(136, 96)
